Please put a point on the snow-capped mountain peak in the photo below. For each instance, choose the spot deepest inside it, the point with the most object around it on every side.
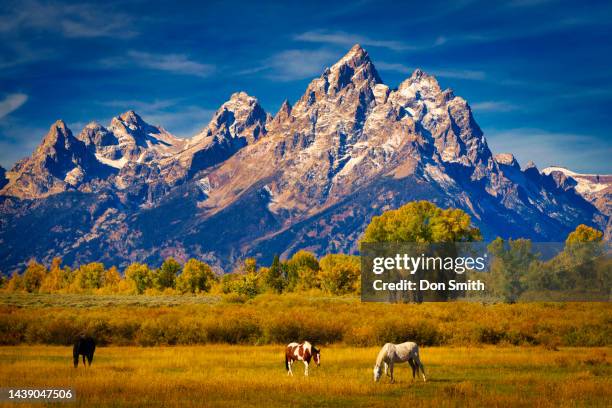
(310, 177)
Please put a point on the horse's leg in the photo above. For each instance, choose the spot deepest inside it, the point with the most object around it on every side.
(84, 360)
(413, 366)
(386, 368)
(421, 367)
(290, 372)
(306, 368)
(391, 372)
(90, 358)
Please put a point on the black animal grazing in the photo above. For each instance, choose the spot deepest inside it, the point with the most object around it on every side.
(85, 346)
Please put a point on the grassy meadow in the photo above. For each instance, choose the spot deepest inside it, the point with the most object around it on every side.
(213, 351)
(226, 375)
(278, 319)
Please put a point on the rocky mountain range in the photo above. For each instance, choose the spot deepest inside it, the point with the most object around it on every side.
(252, 184)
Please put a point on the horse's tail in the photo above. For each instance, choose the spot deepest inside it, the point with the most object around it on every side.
(286, 362)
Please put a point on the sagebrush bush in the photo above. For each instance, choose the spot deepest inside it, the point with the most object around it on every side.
(280, 319)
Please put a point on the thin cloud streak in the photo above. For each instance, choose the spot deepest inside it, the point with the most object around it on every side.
(69, 20)
(295, 64)
(493, 106)
(348, 40)
(174, 63)
(442, 73)
(11, 103)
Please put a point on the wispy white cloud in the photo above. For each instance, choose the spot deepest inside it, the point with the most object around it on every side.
(11, 103)
(493, 106)
(290, 65)
(474, 75)
(390, 66)
(438, 72)
(70, 20)
(348, 40)
(175, 63)
(547, 148)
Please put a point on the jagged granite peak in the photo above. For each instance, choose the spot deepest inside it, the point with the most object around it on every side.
(595, 188)
(354, 67)
(130, 117)
(240, 117)
(285, 109)
(238, 122)
(447, 118)
(506, 159)
(59, 163)
(137, 141)
(283, 116)
(97, 136)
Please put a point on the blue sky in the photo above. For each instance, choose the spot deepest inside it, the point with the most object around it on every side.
(537, 73)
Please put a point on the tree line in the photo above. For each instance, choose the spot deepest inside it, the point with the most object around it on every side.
(515, 269)
(335, 274)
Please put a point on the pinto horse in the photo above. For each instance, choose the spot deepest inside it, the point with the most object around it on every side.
(303, 352)
(85, 346)
(398, 353)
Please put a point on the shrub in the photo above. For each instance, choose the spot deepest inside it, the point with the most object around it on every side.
(140, 275)
(196, 277)
(33, 276)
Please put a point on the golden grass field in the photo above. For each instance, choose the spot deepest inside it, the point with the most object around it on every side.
(234, 376)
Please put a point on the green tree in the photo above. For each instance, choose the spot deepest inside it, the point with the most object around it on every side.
(33, 276)
(57, 279)
(584, 233)
(340, 274)
(196, 277)
(250, 265)
(112, 279)
(140, 275)
(90, 276)
(15, 283)
(275, 278)
(510, 267)
(422, 222)
(302, 269)
(166, 276)
(243, 281)
(584, 264)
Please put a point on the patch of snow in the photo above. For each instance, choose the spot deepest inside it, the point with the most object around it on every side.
(588, 187)
(584, 186)
(204, 185)
(118, 164)
(437, 175)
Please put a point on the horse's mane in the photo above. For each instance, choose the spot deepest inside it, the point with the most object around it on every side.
(381, 355)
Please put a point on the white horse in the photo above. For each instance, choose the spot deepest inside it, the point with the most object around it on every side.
(398, 353)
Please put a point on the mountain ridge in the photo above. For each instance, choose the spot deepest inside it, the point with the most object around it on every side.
(253, 184)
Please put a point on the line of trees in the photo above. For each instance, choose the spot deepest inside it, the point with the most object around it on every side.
(515, 268)
(335, 274)
(582, 267)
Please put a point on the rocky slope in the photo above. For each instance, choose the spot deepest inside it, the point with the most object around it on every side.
(595, 188)
(251, 184)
